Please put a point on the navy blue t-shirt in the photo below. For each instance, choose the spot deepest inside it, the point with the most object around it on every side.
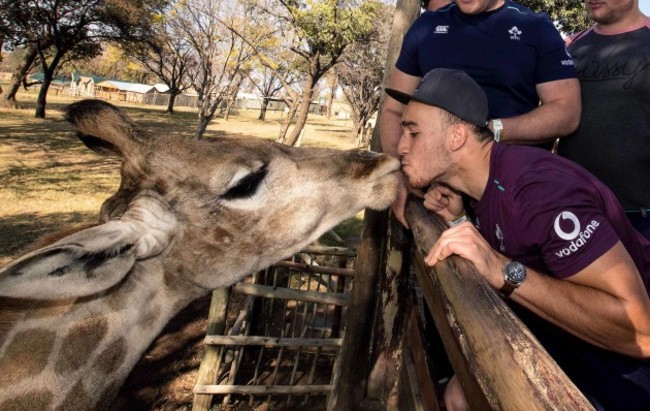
(508, 51)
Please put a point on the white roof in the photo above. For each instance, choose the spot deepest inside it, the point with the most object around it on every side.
(140, 88)
(126, 86)
(161, 88)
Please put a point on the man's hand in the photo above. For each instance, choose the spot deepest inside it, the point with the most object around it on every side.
(444, 201)
(465, 240)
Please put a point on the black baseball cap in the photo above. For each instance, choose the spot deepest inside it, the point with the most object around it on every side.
(451, 90)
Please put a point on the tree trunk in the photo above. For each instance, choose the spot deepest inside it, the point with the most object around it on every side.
(263, 108)
(41, 100)
(201, 127)
(287, 122)
(303, 113)
(207, 111)
(48, 75)
(8, 99)
(330, 102)
(406, 11)
(230, 104)
(170, 103)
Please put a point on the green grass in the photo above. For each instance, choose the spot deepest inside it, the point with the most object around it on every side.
(49, 181)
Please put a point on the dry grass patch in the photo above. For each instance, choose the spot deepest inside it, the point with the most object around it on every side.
(50, 181)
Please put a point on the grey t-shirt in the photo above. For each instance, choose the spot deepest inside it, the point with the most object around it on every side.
(613, 139)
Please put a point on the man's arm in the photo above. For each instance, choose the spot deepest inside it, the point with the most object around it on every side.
(390, 130)
(558, 114)
(606, 303)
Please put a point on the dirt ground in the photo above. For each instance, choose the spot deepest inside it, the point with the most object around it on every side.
(166, 374)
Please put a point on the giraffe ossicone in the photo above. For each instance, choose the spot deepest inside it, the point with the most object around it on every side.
(189, 216)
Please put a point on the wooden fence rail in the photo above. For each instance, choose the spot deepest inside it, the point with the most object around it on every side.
(499, 363)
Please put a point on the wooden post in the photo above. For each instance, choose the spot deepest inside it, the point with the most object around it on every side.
(209, 365)
(406, 11)
(351, 369)
(383, 382)
(351, 366)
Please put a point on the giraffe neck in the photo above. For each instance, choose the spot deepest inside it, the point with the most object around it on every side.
(77, 354)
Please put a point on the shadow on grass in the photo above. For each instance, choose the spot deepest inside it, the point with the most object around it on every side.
(21, 230)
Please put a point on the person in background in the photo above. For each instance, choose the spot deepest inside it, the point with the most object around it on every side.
(613, 140)
(517, 56)
(549, 237)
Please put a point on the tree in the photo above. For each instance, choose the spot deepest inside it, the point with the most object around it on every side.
(268, 84)
(71, 29)
(361, 71)
(20, 69)
(570, 15)
(221, 56)
(167, 54)
(322, 30)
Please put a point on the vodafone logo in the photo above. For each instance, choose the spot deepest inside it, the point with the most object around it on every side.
(567, 227)
(567, 215)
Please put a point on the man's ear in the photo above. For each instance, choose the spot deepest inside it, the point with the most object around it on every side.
(458, 134)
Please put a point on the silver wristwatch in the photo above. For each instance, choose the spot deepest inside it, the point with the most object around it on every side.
(514, 274)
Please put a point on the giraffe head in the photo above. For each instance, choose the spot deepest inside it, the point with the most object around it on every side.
(207, 212)
(188, 217)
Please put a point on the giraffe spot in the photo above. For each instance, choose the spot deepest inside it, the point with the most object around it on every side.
(80, 342)
(112, 357)
(108, 396)
(34, 400)
(26, 356)
(76, 400)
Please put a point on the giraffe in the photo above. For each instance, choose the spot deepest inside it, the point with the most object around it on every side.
(189, 216)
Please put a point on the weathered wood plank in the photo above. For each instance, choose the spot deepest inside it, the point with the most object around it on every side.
(391, 315)
(210, 362)
(426, 384)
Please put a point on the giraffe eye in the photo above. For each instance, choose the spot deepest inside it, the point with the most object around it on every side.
(247, 186)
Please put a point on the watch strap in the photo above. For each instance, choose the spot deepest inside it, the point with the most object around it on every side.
(507, 289)
(497, 129)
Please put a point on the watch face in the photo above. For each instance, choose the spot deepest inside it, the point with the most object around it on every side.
(515, 272)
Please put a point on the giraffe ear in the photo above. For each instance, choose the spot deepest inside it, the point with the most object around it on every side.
(82, 264)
